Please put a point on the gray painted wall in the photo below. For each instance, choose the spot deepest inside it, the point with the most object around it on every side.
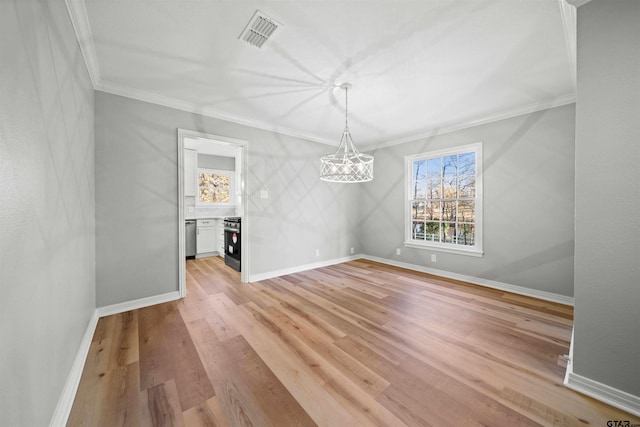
(210, 161)
(47, 244)
(607, 254)
(302, 213)
(528, 202)
(136, 199)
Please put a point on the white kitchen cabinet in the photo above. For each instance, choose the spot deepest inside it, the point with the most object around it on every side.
(190, 172)
(220, 226)
(206, 236)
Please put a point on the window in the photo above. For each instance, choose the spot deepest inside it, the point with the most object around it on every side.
(444, 200)
(215, 186)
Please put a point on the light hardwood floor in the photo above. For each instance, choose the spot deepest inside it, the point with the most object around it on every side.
(355, 344)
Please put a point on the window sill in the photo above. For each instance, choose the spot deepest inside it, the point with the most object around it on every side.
(450, 250)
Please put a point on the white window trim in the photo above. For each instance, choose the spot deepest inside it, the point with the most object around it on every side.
(232, 176)
(476, 250)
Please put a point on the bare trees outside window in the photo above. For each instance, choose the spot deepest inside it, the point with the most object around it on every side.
(444, 197)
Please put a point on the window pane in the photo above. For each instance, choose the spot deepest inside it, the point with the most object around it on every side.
(449, 211)
(419, 170)
(418, 210)
(466, 234)
(443, 192)
(417, 231)
(449, 166)
(434, 190)
(213, 188)
(204, 187)
(434, 211)
(467, 186)
(432, 231)
(221, 195)
(448, 232)
(467, 164)
(419, 190)
(466, 211)
(449, 187)
(434, 168)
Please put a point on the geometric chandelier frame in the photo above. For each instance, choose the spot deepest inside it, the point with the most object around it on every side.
(347, 164)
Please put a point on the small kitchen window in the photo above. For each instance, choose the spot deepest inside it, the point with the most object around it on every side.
(215, 187)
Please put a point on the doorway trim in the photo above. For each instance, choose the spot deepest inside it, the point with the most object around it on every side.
(244, 191)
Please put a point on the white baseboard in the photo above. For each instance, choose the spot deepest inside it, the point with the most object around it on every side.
(298, 269)
(108, 310)
(602, 392)
(612, 396)
(63, 409)
(570, 360)
(547, 296)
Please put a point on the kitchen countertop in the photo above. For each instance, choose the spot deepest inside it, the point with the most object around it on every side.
(205, 217)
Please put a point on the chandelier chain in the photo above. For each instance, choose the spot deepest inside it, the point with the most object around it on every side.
(346, 108)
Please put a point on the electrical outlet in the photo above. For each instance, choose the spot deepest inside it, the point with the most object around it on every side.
(433, 257)
(352, 251)
(397, 251)
(317, 252)
(190, 209)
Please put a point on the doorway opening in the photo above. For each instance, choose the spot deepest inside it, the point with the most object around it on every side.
(232, 155)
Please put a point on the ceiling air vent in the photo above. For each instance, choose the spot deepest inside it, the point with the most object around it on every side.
(259, 29)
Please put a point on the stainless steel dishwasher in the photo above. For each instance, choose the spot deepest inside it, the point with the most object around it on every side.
(190, 238)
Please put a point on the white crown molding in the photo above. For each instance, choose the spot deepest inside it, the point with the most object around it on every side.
(80, 21)
(68, 395)
(570, 27)
(577, 3)
(507, 114)
(166, 101)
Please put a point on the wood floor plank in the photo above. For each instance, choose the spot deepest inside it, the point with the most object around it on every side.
(353, 344)
(124, 342)
(349, 391)
(275, 400)
(322, 345)
(155, 361)
(220, 304)
(206, 414)
(160, 406)
(169, 353)
(239, 404)
(290, 304)
(292, 369)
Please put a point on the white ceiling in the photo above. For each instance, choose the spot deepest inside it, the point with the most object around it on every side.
(417, 67)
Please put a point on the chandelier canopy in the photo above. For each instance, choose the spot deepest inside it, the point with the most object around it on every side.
(347, 164)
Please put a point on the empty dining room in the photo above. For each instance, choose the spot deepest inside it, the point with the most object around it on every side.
(354, 213)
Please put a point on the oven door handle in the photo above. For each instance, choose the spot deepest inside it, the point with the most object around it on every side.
(235, 230)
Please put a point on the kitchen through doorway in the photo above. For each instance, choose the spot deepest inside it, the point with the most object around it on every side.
(212, 193)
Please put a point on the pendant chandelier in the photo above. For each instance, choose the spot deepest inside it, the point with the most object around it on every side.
(347, 164)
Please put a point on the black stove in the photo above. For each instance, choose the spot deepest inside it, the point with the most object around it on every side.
(232, 248)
